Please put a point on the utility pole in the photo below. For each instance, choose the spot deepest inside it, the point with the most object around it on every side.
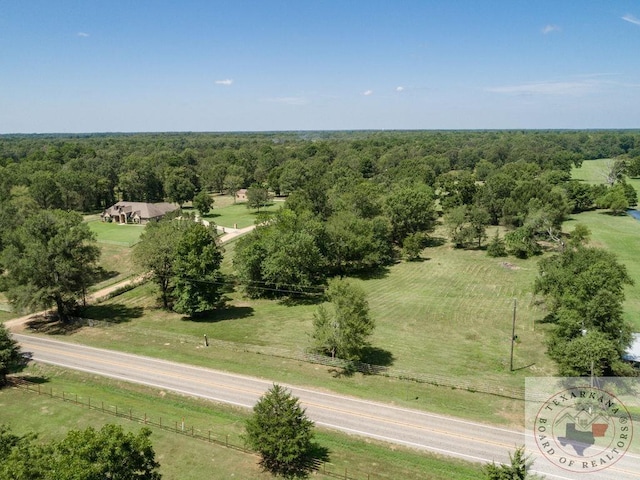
(513, 332)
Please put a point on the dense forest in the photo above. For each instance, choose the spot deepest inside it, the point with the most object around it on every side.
(89, 172)
(355, 201)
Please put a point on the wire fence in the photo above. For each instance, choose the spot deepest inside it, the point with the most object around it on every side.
(467, 384)
(178, 427)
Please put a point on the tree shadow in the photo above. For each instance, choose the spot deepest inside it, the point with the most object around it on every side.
(221, 315)
(376, 273)
(377, 357)
(610, 213)
(52, 325)
(419, 259)
(37, 380)
(112, 313)
(434, 241)
(550, 318)
(101, 274)
(316, 457)
(295, 301)
(373, 361)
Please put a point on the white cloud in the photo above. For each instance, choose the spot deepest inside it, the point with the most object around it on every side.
(367, 93)
(550, 29)
(631, 19)
(83, 34)
(400, 89)
(548, 88)
(226, 82)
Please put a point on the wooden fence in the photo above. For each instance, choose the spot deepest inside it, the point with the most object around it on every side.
(171, 425)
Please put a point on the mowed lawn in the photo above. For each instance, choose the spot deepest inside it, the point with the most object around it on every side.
(237, 215)
(116, 233)
(619, 234)
(185, 458)
(449, 314)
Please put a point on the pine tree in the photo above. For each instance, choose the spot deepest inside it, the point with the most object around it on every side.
(281, 433)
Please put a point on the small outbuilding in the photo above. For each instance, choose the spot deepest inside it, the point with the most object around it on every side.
(137, 212)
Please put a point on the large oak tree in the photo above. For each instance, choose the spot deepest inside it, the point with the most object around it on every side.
(50, 260)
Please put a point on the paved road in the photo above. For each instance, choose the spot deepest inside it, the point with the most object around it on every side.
(417, 429)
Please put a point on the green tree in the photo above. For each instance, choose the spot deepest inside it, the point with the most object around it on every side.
(410, 209)
(522, 243)
(82, 455)
(10, 357)
(615, 199)
(497, 247)
(283, 256)
(257, 196)
(180, 184)
(353, 244)
(107, 453)
(584, 291)
(44, 190)
(203, 203)
(50, 260)
(281, 433)
(518, 469)
(342, 329)
(184, 259)
(412, 246)
(156, 252)
(196, 270)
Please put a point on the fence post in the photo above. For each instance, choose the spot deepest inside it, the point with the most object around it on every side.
(192, 430)
(209, 436)
(63, 395)
(76, 398)
(116, 410)
(145, 418)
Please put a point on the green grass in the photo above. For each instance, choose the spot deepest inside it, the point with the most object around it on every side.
(618, 234)
(5, 309)
(116, 233)
(449, 315)
(228, 215)
(187, 458)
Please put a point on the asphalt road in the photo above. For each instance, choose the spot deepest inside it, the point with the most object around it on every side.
(416, 429)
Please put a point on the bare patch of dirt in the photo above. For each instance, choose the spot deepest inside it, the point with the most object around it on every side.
(510, 266)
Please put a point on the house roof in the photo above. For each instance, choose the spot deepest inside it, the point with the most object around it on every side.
(633, 353)
(144, 210)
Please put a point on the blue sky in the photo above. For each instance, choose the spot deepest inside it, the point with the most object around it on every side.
(156, 65)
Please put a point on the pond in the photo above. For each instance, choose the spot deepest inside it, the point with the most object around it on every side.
(634, 213)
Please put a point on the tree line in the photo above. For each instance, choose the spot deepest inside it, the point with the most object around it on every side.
(354, 202)
(91, 172)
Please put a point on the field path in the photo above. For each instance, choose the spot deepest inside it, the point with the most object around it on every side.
(18, 324)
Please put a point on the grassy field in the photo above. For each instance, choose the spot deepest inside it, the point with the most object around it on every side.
(618, 234)
(184, 458)
(116, 233)
(449, 314)
(225, 213)
(594, 172)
